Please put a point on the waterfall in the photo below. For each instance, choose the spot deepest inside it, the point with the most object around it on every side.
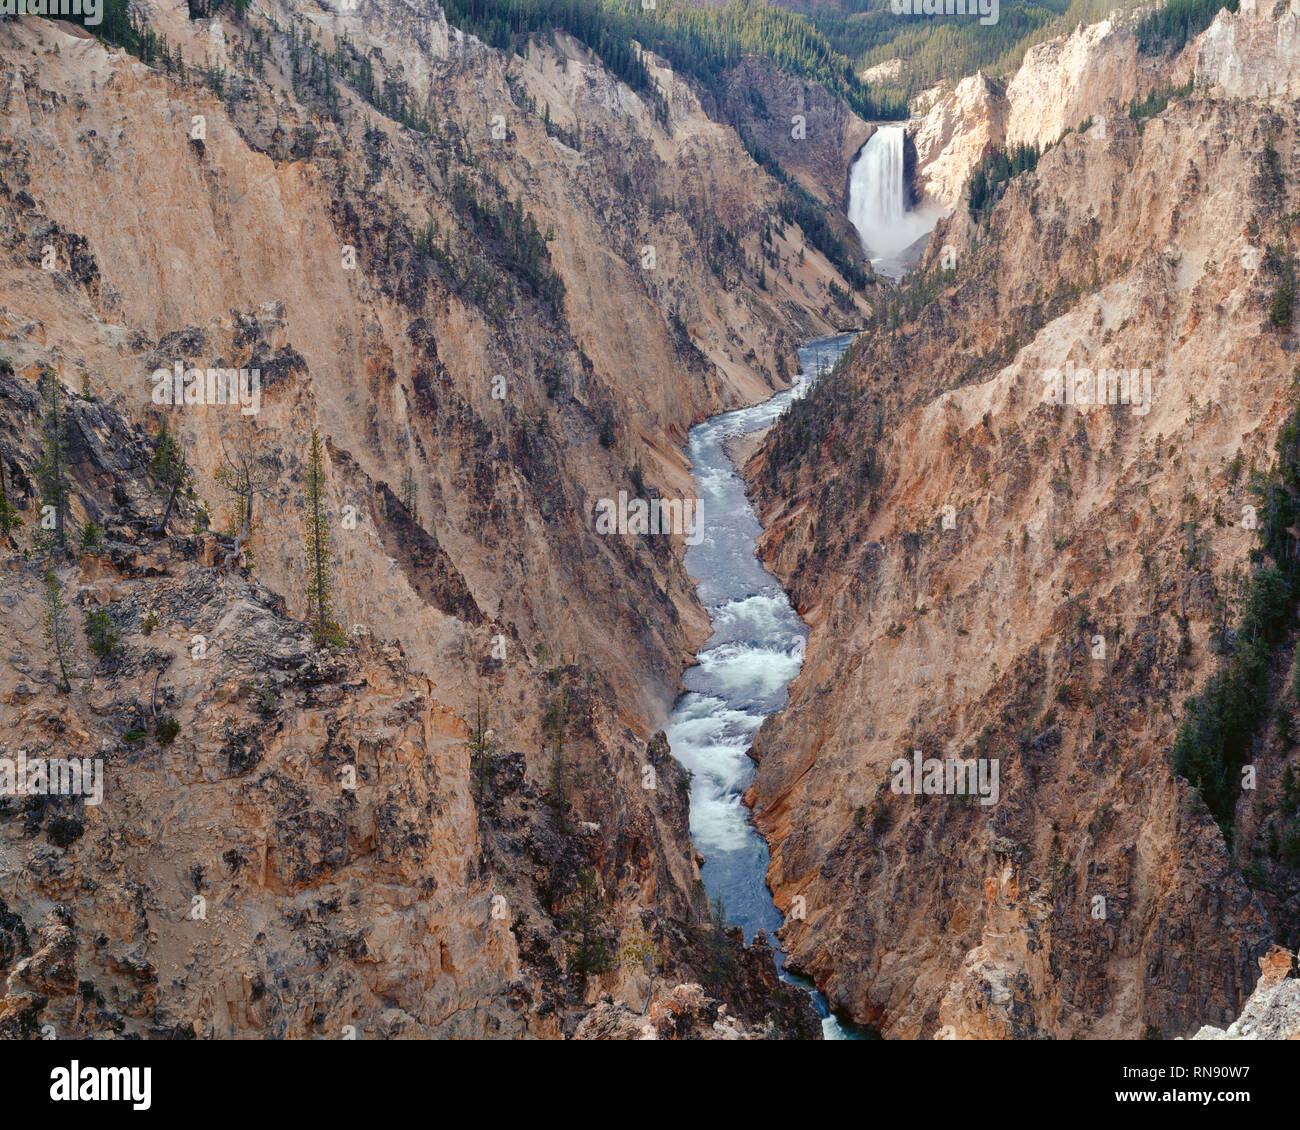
(878, 205)
(876, 183)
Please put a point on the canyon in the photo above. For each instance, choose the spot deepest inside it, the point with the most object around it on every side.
(987, 573)
(366, 836)
(491, 320)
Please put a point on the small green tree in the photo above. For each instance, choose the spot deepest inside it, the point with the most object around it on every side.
(52, 471)
(719, 949)
(409, 499)
(58, 629)
(91, 537)
(1281, 259)
(557, 794)
(10, 515)
(168, 469)
(589, 943)
(320, 579)
(483, 748)
(100, 633)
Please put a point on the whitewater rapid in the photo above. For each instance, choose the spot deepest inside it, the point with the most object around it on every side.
(744, 669)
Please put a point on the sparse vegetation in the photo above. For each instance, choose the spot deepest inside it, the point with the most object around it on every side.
(242, 476)
(410, 501)
(101, 634)
(1157, 102)
(52, 472)
(483, 748)
(58, 629)
(590, 948)
(1281, 262)
(1214, 740)
(10, 515)
(320, 573)
(720, 955)
(168, 469)
(989, 180)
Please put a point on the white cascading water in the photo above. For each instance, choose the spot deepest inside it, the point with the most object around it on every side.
(876, 187)
(878, 203)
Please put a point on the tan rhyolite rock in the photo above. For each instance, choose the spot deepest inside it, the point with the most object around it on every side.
(1057, 621)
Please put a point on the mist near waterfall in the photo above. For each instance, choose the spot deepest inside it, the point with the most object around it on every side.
(888, 230)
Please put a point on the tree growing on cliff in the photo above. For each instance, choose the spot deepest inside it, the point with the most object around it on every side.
(10, 516)
(320, 574)
(719, 949)
(58, 628)
(168, 469)
(242, 476)
(1282, 262)
(410, 501)
(589, 943)
(100, 633)
(483, 748)
(52, 471)
(557, 794)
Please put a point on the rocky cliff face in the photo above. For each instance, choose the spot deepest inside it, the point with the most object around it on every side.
(510, 307)
(952, 137)
(1273, 1011)
(993, 574)
(1251, 53)
(1090, 74)
(813, 135)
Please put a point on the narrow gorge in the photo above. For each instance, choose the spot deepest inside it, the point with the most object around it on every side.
(592, 520)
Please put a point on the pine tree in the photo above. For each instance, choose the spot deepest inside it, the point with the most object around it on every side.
(409, 499)
(58, 629)
(10, 517)
(589, 949)
(483, 748)
(719, 948)
(320, 581)
(52, 471)
(101, 635)
(558, 793)
(168, 467)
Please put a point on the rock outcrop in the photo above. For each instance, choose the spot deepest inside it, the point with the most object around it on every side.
(1092, 74)
(1273, 1011)
(952, 137)
(684, 1013)
(1253, 52)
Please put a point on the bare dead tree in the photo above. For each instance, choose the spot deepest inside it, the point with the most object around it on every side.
(242, 476)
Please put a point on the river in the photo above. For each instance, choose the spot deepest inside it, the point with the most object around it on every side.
(743, 670)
